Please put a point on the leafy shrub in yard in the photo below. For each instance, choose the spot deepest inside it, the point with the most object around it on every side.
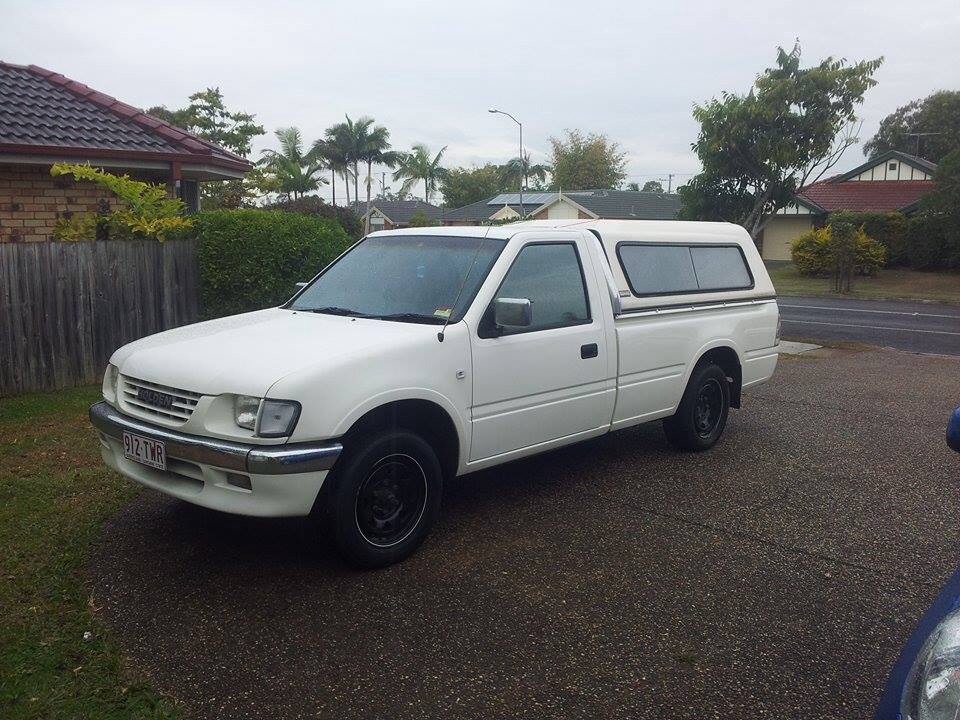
(889, 229)
(251, 259)
(312, 205)
(931, 243)
(146, 212)
(820, 251)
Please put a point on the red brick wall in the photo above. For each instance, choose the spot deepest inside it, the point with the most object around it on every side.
(31, 201)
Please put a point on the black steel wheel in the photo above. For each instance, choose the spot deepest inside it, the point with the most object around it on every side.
(383, 497)
(709, 407)
(391, 500)
(702, 413)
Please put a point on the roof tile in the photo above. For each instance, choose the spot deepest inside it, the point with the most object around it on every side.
(40, 108)
(867, 195)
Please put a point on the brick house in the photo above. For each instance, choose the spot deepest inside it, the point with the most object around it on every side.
(47, 118)
(891, 182)
(583, 204)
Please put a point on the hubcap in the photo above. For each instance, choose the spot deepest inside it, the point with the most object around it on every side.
(709, 408)
(391, 500)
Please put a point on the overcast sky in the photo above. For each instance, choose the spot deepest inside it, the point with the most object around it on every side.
(429, 70)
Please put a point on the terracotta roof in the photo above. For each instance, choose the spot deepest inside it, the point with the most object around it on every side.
(866, 195)
(42, 112)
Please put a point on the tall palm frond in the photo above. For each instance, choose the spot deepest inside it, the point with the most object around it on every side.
(416, 165)
(295, 171)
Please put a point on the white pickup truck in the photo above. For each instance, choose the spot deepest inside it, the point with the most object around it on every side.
(424, 354)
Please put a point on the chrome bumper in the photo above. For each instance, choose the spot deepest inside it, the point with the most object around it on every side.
(242, 457)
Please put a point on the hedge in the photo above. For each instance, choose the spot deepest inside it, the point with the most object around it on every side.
(312, 205)
(933, 242)
(252, 259)
(889, 229)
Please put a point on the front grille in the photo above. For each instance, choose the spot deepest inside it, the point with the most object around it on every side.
(179, 410)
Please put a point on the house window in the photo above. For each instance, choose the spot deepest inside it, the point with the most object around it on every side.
(892, 166)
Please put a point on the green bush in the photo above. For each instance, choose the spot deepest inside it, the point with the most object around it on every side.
(819, 251)
(932, 244)
(889, 229)
(312, 205)
(252, 259)
(811, 252)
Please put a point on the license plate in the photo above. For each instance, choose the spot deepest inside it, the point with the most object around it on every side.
(145, 451)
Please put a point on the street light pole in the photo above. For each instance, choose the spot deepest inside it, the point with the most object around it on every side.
(523, 212)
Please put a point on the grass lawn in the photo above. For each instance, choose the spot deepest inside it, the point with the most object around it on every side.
(889, 284)
(55, 494)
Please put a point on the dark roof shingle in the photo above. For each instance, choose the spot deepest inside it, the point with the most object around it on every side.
(400, 211)
(43, 110)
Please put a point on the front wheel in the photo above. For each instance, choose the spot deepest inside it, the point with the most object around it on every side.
(702, 413)
(385, 498)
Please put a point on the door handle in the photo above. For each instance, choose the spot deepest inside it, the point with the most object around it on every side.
(589, 351)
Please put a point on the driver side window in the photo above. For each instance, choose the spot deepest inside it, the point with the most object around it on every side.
(551, 277)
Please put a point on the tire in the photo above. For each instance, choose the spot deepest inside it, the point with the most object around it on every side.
(702, 414)
(384, 499)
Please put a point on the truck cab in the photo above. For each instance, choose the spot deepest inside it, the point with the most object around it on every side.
(423, 354)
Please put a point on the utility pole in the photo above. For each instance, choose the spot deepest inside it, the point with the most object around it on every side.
(383, 184)
(669, 182)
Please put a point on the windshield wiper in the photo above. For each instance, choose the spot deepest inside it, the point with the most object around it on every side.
(411, 317)
(333, 310)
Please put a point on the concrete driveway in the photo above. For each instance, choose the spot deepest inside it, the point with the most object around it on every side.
(775, 576)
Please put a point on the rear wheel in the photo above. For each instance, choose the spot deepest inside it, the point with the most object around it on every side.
(385, 497)
(702, 413)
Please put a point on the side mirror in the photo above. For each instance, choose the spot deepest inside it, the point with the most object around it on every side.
(512, 312)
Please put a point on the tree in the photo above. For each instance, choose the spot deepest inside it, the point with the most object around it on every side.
(518, 170)
(586, 161)
(372, 145)
(761, 148)
(420, 219)
(633, 187)
(463, 186)
(336, 148)
(654, 186)
(295, 171)
(417, 165)
(208, 117)
(937, 114)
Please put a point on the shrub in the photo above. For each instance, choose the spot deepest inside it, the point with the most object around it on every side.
(931, 244)
(811, 252)
(146, 211)
(251, 259)
(312, 205)
(824, 251)
(420, 219)
(889, 229)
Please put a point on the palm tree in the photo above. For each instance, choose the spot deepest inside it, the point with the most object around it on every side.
(517, 171)
(295, 171)
(372, 146)
(417, 165)
(333, 148)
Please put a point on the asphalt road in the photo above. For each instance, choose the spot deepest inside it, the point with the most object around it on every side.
(917, 327)
(777, 575)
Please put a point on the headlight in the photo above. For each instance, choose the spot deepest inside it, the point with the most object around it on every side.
(110, 377)
(278, 418)
(245, 411)
(932, 688)
(269, 418)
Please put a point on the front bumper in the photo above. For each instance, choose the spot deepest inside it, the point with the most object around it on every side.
(284, 479)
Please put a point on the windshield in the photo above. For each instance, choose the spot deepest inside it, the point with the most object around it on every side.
(411, 278)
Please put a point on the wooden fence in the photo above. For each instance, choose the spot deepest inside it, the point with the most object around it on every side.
(66, 306)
